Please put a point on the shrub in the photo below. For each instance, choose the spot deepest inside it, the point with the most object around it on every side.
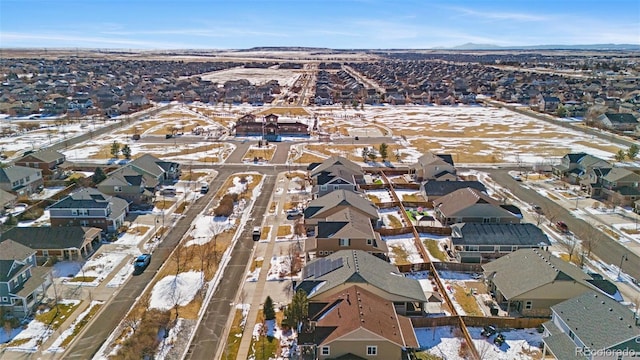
(269, 312)
(225, 207)
(31, 214)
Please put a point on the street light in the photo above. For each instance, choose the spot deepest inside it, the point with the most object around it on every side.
(622, 260)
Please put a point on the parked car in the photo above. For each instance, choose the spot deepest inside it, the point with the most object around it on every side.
(488, 330)
(142, 262)
(204, 189)
(562, 227)
(256, 233)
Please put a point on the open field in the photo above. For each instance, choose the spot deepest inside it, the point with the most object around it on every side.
(254, 76)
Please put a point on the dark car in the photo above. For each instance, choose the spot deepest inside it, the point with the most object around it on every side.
(488, 330)
(562, 227)
(141, 262)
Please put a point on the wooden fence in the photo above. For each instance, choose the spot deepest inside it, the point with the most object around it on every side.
(503, 322)
(417, 204)
(443, 231)
(454, 266)
(393, 232)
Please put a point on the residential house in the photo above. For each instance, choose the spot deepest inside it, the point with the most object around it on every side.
(355, 324)
(432, 190)
(336, 173)
(48, 161)
(591, 326)
(321, 208)
(620, 186)
(548, 103)
(346, 229)
(89, 207)
(434, 167)
(470, 205)
(329, 276)
(130, 185)
(270, 128)
(531, 281)
(618, 122)
(164, 172)
(62, 242)
(578, 168)
(21, 180)
(7, 201)
(22, 282)
(481, 243)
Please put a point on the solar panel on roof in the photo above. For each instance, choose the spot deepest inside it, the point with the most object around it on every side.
(322, 266)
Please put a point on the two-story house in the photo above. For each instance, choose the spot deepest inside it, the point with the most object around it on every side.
(62, 242)
(618, 122)
(321, 208)
(164, 172)
(48, 161)
(578, 168)
(345, 230)
(22, 282)
(89, 207)
(432, 190)
(620, 186)
(591, 326)
(470, 205)
(434, 167)
(128, 184)
(336, 173)
(21, 180)
(480, 243)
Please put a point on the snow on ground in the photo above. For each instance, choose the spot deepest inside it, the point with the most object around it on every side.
(131, 237)
(175, 289)
(284, 77)
(402, 193)
(442, 341)
(446, 275)
(204, 227)
(47, 193)
(406, 242)
(43, 220)
(99, 267)
(287, 338)
(518, 344)
(168, 340)
(36, 332)
(56, 346)
(238, 187)
(382, 195)
(245, 311)
(279, 268)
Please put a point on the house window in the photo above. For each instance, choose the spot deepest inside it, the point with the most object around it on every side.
(83, 212)
(372, 350)
(45, 252)
(323, 187)
(324, 350)
(28, 178)
(117, 189)
(343, 242)
(528, 305)
(369, 241)
(74, 212)
(336, 187)
(84, 223)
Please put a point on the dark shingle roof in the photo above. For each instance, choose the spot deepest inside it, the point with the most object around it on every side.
(11, 250)
(59, 237)
(498, 234)
(622, 118)
(339, 198)
(46, 155)
(441, 188)
(15, 172)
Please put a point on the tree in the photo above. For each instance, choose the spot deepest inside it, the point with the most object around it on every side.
(98, 176)
(632, 151)
(561, 111)
(126, 152)
(115, 149)
(267, 310)
(298, 310)
(620, 155)
(383, 150)
(372, 155)
(365, 153)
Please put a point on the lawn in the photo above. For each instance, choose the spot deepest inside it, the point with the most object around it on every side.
(284, 230)
(308, 158)
(264, 153)
(57, 314)
(286, 111)
(164, 204)
(235, 336)
(401, 255)
(412, 197)
(264, 235)
(394, 222)
(78, 326)
(466, 300)
(265, 347)
(433, 248)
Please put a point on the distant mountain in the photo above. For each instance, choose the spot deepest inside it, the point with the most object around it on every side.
(472, 46)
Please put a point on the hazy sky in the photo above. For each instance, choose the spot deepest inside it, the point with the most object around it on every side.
(162, 24)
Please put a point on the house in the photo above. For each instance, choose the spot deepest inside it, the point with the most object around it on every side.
(481, 243)
(164, 172)
(7, 201)
(129, 185)
(48, 161)
(577, 168)
(22, 282)
(591, 326)
(21, 180)
(346, 229)
(336, 173)
(326, 277)
(321, 208)
(470, 205)
(620, 186)
(434, 167)
(618, 122)
(89, 207)
(548, 103)
(433, 189)
(531, 281)
(63, 242)
(356, 324)
(270, 127)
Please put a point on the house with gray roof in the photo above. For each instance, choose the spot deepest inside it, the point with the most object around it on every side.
(432, 166)
(22, 283)
(47, 160)
(165, 172)
(336, 173)
(620, 186)
(578, 168)
(322, 207)
(470, 205)
(618, 121)
(325, 277)
(346, 229)
(433, 189)
(21, 180)
(89, 207)
(7, 201)
(530, 281)
(129, 185)
(589, 326)
(62, 242)
(481, 243)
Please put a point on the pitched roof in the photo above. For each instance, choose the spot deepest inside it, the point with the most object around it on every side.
(498, 234)
(430, 158)
(90, 198)
(608, 322)
(351, 225)
(16, 172)
(617, 173)
(621, 118)
(357, 308)
(124, 176)
(6, 197)
(441, 188)
(336, 161)
(339, 198)
(459, 203)
(151, 165)
(358, 266)
(575, 157)
(587, 161)
(58, 237)
(47, 155)
(11, 250)
(526, 269)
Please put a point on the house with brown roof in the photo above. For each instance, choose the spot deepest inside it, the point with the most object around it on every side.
(336, 173)
(620, 186)
(270, 127)
(130, 185)
(321, 208)
(356, 324)
(470, 205)
(47, 160)
(346, 229)
(432, 166)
